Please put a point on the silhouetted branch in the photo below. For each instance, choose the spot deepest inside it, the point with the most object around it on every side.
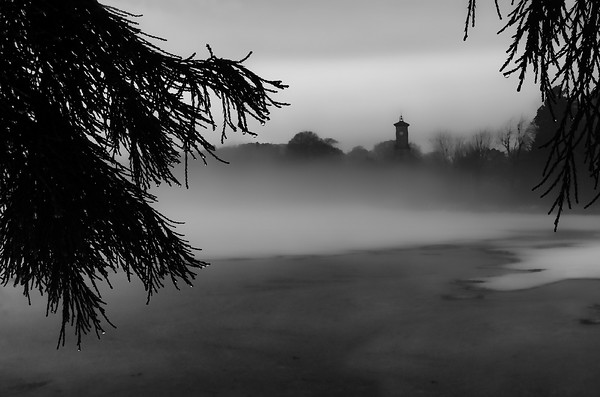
(80, 84)
(562, 46)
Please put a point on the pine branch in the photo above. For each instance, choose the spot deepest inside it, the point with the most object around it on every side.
(562, 45)
(80, 84)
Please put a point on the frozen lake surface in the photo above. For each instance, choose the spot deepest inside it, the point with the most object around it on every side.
(540, 265)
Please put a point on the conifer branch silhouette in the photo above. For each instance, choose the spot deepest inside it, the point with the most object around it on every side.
(561, 45)
(81, 85)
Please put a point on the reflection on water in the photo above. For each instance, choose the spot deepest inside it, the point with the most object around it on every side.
(543, 265)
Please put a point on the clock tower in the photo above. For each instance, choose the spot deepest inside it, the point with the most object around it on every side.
(402, 135)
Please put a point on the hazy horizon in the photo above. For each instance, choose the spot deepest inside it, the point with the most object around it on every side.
(354, 67)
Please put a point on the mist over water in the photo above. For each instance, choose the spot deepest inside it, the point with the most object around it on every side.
(256, 211)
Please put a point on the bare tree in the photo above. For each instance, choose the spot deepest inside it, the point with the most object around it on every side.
(443, 144)
(515, 137)
(460, 148)
(80, 84)
(481, 142)
(559, 40)
(472, 153)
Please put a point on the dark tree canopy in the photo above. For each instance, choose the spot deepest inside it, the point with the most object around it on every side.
(309, 145)
(559, 41)
(81, 86)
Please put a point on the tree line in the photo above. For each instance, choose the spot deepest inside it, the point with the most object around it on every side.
(512, 158)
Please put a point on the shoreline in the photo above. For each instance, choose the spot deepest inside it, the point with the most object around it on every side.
(507, 246)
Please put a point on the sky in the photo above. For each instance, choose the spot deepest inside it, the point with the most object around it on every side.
(354, 66)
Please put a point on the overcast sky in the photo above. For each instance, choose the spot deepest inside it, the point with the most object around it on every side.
(354, 66)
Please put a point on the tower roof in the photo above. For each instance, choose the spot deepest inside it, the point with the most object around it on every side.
(401, 122)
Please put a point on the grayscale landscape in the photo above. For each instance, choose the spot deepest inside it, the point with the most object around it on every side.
(319, 286)
(402, 228)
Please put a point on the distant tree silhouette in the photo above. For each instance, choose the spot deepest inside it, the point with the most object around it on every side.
(443, 145)
(544, 129)
(416, 153)
(544, 126)
(516, 138)
(81, 85)
(387, 151)
(475, 153)
(358, 154)
(560, 43)
(384, 151)
(481, 143)
(248, 153)
(330, 141)
(308, 145)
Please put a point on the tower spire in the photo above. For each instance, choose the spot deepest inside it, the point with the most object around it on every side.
(402, 134)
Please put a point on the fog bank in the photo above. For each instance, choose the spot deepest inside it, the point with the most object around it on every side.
(231, 211)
